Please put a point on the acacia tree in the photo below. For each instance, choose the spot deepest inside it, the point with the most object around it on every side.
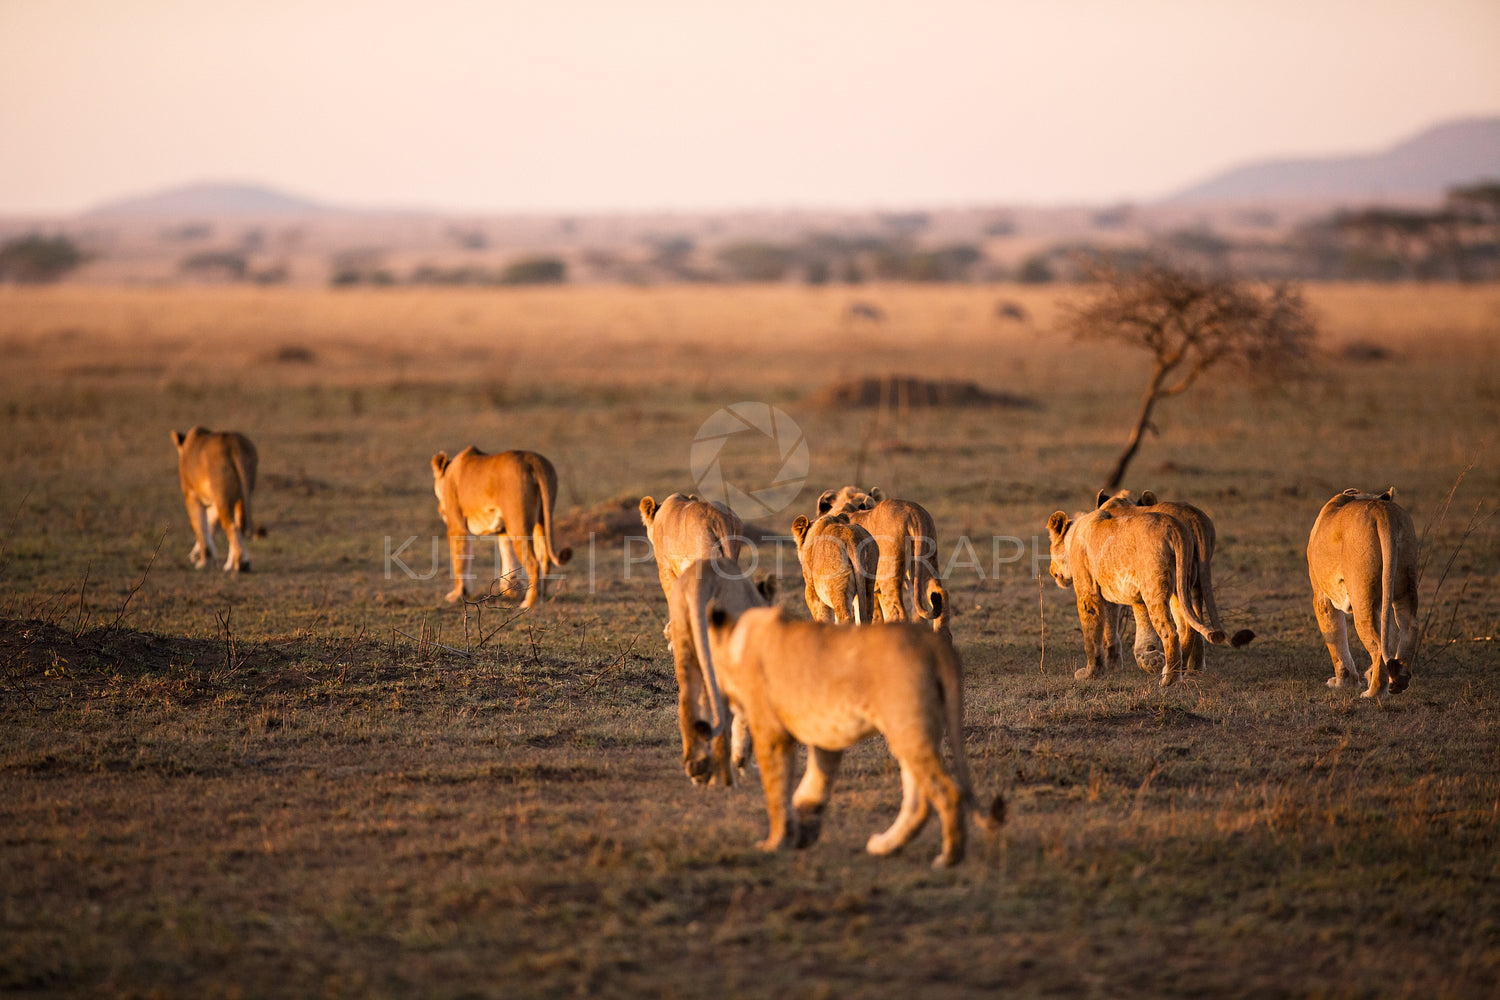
(1191, 322)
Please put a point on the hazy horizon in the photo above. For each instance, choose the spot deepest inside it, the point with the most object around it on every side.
(670, 106)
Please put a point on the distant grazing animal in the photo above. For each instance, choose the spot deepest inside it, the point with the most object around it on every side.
(1146, 560)
(217, 474)
(1201, 527)
(907, 539)
(866, 310)
(512, 495)
(720, 582)
(839, 561)
(1013, 311)
(830, 686)
(1362, 559)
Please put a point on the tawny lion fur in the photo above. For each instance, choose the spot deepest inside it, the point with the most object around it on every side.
(1148, 655)
(1362, 560)
(706, 746)
(217, 474)
(839, 561)
(830, 686)
(907, 539)
(512, 495)
(1147, 561)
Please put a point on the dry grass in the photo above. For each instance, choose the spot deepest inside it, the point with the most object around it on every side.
(282, 784)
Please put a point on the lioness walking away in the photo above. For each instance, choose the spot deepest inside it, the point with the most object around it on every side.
(217, 473)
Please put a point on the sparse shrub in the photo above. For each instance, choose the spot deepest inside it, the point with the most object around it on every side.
(37, 259)
(1036, 270)
(535, 271)
(230, 265)
(756, 261)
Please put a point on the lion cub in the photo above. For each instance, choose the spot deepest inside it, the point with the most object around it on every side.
(217, 473)
(830, 686)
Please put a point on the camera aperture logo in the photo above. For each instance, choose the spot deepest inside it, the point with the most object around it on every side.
(783, 438)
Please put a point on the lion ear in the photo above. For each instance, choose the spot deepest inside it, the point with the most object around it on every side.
(800, 526)
(766, 586)
(825, 502)
(648, 510)
(1101, 499)
(439, 464)
(877, 494)
(1148, 498)
(177, 438)
(1389, 494)
(1057, 524)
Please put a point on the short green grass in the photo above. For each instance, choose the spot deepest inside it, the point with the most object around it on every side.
(318, 779)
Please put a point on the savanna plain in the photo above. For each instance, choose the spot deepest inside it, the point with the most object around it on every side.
(320, 779)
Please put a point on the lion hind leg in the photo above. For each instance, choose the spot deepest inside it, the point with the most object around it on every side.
(532, 568)
(236, 561)
(811, 796)
(543, 555)
(773, 752)
(740, 748)
(203, 546)
(1147, 649)
(1334, 625)
(951, 802)
(909, 821)
(1167, 620)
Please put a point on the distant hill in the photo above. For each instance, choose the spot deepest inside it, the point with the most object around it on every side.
(1424, 166)
(211, 200)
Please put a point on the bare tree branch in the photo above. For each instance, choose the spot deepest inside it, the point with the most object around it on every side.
(1191, 323)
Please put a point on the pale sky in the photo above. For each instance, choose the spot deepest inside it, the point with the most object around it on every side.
(663, 105)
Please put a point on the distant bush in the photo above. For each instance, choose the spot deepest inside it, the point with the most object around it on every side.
(362, 266)
(36, 259)
(949, 263)
(757, 261)
(535, 271)
(1036, 270)
(230, 265)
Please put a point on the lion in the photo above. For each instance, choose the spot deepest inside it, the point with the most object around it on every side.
(510, 495)
(722, 583)
(217, 473)
(684, 529)
(830, 686)
(1201, 527)
(906, 537)
(1145, 559)
(1362, 559)
(839, 561)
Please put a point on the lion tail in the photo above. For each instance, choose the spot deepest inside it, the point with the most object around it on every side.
(548, 495)
(1185, 596)
(951, 685)
(698, 623)
(1387, 579)
(242, 519)
(1206, 584)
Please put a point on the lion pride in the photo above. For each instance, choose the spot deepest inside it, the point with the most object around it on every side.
(511, 495)
(217, 472)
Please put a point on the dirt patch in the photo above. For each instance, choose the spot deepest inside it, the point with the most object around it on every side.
(900, 390)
